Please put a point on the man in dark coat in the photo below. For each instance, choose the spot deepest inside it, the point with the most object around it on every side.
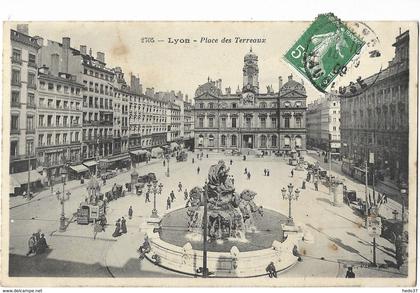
(42, 244)
(185, 194)
(198, 170)
(271, 270)
(350, 274)
(172, 195)
(32, 244)
(130, 212)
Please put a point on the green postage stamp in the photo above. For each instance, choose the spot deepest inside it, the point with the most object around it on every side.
(324, 50)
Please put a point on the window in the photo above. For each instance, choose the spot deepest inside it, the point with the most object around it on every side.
(223, 122)
(30, 123)
(262, 121)
(298, 122)
(211, 122)
(334, 128)
(263, 141)
(274, 122)
(234, 105)
(200, 122)
(211, 140)
(15, 77)
(57, 138)
(248, 122)
(29, 147)
(49, 120)
(287, 141)
(286, 122)
(298, 141)
(31, 80)
(17, 56)
(223, 140)
(263, 105)
(57, 120)
(41, 120)
(14, 122)
(200, 140)
(233, 140)
(32, 60)
(31, 100)
(14, 148)
(15, 98)
(211, 106)
(274, 141)
(233, 122)
(49, 138)
(64, 138)
(40, 140)
(201, 105)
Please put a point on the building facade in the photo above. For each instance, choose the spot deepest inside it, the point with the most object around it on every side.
(59, 124)
(323, 124)
(247, 119)
(376, 121)
(188, 124)
(23, 137)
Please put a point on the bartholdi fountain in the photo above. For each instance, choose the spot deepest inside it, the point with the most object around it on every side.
(242, 238)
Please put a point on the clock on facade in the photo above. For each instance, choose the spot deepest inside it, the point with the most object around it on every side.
(248, 99)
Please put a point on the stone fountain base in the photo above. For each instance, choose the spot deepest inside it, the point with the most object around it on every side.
(175, 249)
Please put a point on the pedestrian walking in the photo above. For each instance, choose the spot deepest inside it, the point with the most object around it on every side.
(117, 231)
(31, 245)
(168, 203)
(198, 170)
(291, 172)
(246, 171)
(268, 172)
(147, 198)
(130, 213)
(172, 195)
(185, 194)
(248, 175)
(179, 187)
(198, 156)
(193, 160)
(265, 172)
(123, 226)
(164, 163)
(231, 162)
(316, 185)
(42, 244)
(271, 270)
(303, 184)
(207, 156)
(350, 274)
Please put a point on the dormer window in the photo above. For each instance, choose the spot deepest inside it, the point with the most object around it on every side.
(286, 104)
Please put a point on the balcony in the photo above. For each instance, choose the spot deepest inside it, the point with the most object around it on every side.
(32, 64)
(31, 106)
(32, 86)
(15, 131)
(16, 82)
(30, 131)
(15, 104)
(21, 157)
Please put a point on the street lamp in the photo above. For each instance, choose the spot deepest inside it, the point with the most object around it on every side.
(167, 169)
(403, 192)
(62, 197)
(155, 189)
(289, 195)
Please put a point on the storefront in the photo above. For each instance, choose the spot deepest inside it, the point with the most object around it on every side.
(78, 171)
(91, 165)
(19, 182)
(139, 156)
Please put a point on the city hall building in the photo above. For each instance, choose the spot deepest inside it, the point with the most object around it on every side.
(247, 119)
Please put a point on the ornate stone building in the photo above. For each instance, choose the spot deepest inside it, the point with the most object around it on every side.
(376, 121)
(248, 119)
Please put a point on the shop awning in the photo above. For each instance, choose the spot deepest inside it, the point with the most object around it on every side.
(174, 145)
(139, 152)
(89, 163)
(157, 150)
(79, 168)
(22, 178)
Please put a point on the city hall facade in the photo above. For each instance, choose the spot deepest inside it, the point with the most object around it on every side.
(271, 122)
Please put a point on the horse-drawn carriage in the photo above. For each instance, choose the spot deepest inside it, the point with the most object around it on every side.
(182, 156)
(150, 177)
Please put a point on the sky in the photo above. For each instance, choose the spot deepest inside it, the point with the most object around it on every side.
(184, 66)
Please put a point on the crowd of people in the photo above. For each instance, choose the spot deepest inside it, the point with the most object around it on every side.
(37, 244)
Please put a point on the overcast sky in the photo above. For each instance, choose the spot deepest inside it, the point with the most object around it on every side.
(184, 67)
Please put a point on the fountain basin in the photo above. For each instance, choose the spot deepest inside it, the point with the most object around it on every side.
(177, 249)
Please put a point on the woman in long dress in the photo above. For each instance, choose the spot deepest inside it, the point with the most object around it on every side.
(117, 229)
(123, 226)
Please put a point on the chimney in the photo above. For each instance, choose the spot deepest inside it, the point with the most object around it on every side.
(66, 43)
(290, 77)
(280, 82)
(55, 62)
(100, 56)
(83, 49)
(90, 51)
(228, 90)
(23, 28)
(135, 84)
(220, 84)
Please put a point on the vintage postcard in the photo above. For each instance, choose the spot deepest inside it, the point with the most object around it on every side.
(210, 153)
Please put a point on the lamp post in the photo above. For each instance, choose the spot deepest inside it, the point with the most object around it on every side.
(167, 169)
(62, 197)
(403, 192)
(155, 189)
(290, 195)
